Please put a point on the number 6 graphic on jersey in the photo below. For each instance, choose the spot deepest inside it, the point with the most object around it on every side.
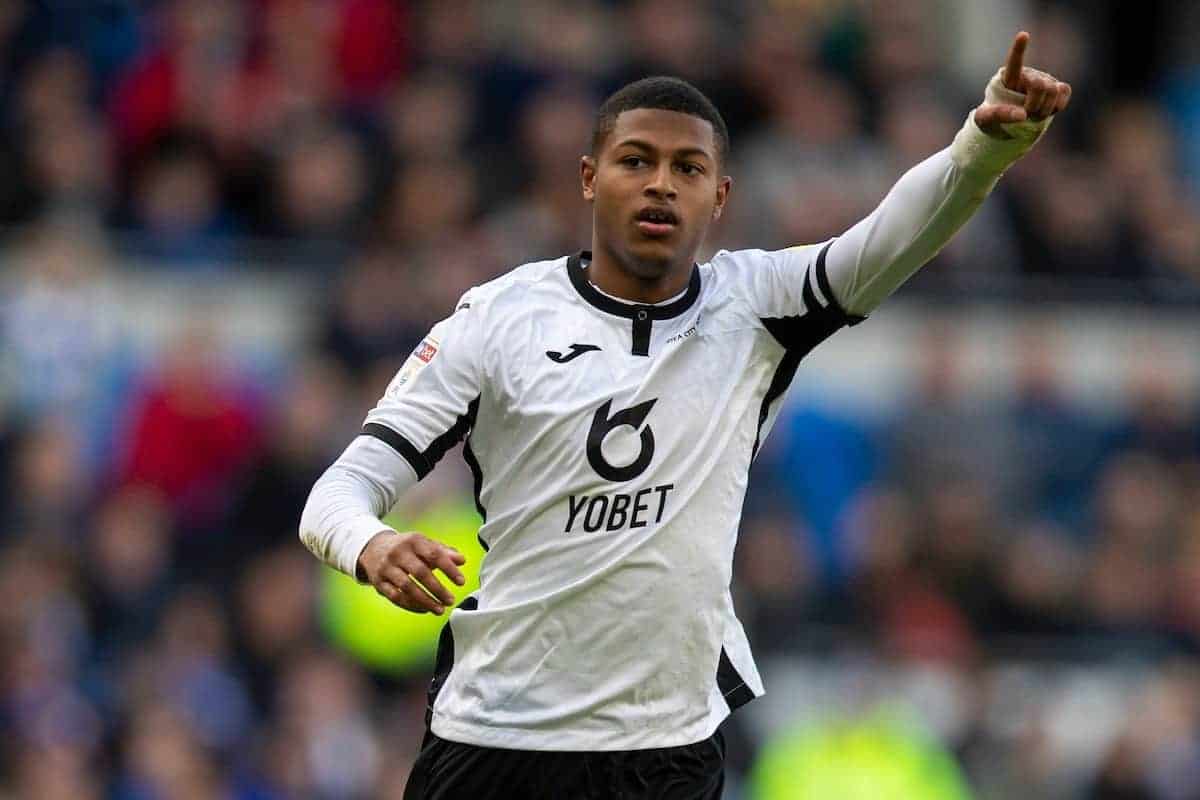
(602, 424)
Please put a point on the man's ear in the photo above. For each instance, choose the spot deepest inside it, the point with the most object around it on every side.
(724, 186)
(587, 175)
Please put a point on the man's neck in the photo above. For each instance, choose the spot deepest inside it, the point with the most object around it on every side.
(623, 301)
(609, 277)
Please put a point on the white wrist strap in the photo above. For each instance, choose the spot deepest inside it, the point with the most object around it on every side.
(974, 149)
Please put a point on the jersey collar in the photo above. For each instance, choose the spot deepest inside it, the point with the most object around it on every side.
(630, 310)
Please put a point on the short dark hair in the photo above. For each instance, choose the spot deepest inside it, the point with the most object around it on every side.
(662, 92)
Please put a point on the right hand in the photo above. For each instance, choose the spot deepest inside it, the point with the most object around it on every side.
(400, 567)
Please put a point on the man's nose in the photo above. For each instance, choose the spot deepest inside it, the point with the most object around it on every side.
(661, 185)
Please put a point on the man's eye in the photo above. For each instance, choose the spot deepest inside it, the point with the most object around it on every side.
(690, 169)
(633, 161)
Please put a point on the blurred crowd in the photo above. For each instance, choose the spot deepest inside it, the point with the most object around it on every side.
(161, 629)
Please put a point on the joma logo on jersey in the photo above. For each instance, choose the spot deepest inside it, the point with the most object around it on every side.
(576, 351)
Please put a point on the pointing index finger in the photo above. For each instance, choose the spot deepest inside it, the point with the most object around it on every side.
(1016, 59)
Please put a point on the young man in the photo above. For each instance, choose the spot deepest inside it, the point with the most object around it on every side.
(611, 403)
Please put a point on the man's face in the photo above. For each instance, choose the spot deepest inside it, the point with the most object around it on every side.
(655, 186)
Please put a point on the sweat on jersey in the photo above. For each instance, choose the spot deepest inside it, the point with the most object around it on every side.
(610, 444)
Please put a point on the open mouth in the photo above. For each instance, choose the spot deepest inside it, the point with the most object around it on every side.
(654, 221)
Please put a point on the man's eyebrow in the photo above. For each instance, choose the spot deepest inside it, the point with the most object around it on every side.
(683, 151)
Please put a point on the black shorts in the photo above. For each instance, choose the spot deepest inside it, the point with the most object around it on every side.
(447, 770)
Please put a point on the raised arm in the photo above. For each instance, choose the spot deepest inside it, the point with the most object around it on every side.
(935, 198)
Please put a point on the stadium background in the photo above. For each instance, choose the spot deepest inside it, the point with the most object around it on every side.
(970, 562)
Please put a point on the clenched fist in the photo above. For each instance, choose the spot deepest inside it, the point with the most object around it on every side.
(400, 567)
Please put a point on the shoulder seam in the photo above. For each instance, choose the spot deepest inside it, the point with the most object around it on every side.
(517, 276)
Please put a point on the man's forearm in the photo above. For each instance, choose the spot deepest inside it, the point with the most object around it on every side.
(345, 505)
(922, 212)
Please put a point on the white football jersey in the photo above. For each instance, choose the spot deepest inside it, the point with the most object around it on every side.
(611, 443)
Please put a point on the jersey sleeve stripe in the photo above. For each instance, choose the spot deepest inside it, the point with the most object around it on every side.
(423, 461)
(461, 427)
(827, 289)
(404, 447)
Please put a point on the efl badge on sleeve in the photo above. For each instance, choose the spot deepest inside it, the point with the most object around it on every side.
(426, 350)
(420, 357)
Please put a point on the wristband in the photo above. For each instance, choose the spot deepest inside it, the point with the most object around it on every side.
(974, 149)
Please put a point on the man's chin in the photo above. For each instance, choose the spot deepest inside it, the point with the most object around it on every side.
(649, 261)
(654, 255)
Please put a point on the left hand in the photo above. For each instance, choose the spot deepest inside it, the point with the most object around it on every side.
(1044, 94)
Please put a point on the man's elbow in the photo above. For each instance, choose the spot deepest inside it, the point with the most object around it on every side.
(309, 529)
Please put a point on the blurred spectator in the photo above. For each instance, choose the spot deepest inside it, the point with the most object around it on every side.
(44, 629)
(192, 430)
(1137, 500)
(68, 168)
(430, 116)
(276, 598)
(322, 182)
(56, 773)
(450, 34)
(568, 39)
(48, 489)
(190, 670)
(1143, 160)
(1158, 755)
(781, 591)
(177, 208)
(429, 204)
(58, 319)
(810, 175)
(940, 435)
(303, 435)
(900, 46)
(376, 313)
(1123, 593)
(1056, 447)
(295, 71)
(323, 700)
(1183, 611)
(1162, 417)
(63, 145)
(184, 77)
(54, 91)
(164, 759)
(545, 214)
(1038, 575)
(672, 37)
(881, 534)
(956, 547)
(371, 47)
(1072, 218)
(131, 553)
